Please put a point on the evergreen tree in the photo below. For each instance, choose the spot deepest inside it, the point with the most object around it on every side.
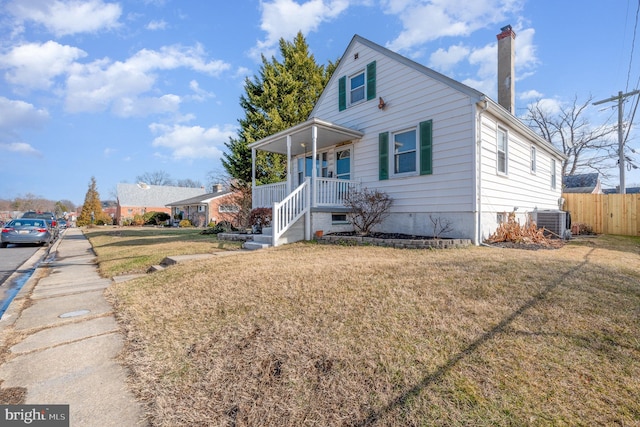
(281, 96)
(92, 212)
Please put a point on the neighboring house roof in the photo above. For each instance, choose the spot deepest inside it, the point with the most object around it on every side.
(144, 195)
(581, 183)
(200, 200)
(629, 190)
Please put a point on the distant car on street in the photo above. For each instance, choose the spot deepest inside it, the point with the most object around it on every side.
(26, 230)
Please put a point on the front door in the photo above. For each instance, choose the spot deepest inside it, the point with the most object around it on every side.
(343, 163)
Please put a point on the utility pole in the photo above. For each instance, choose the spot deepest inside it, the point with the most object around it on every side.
(620, 98)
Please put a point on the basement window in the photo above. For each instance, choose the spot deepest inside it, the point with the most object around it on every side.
(339, 218)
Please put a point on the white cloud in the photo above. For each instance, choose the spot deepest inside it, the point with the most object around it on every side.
(144, 106)
(444, 60)
(19, 114)
(35, 65)
(284, 18)
(424, 21)
(64, 17)
(21, 148)
(199, 94)
(530, 95)
(192, 142)
(526, 59)
(157, 25)
(103, 84)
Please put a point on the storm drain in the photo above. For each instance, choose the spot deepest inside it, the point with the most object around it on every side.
(74, 313)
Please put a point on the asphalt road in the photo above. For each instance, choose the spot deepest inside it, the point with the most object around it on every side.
(13, 259)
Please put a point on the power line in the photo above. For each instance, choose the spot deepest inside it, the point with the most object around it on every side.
(633, 44)
(620, 98)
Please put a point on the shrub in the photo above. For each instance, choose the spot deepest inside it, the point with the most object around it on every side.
(368, 208)
(185, 223)
(261, 217)
(155, 218)
(211, 224)
(137, 220)
(221, 227)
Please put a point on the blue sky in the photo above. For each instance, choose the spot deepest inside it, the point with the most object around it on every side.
(114, 89)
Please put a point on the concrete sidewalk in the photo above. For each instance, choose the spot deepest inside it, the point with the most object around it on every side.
(65, 340)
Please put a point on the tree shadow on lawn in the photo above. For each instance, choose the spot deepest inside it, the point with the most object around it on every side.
(501, 327)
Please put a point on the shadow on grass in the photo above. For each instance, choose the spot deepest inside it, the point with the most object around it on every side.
(501, 327)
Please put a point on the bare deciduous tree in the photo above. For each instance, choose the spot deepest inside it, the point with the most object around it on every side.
(587, 147)
(158, 177)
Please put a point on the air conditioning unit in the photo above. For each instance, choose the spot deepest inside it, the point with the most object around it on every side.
(557, 222)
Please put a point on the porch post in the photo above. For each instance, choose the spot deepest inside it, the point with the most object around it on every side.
(314, 149)
(253, 178)
(289, 177)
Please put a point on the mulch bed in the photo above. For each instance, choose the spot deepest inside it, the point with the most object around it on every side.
(549, 244)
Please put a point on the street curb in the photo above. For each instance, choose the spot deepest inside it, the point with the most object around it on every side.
(39, 257)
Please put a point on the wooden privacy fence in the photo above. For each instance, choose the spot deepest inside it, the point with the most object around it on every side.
(605, 213)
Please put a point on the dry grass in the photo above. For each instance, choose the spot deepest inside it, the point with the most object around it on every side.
(322, 335)
(130, 250)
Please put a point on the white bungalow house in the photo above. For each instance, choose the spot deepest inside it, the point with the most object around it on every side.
(441, 150)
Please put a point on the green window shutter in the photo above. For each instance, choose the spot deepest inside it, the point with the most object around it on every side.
(342, 93)
(383, 147)
(426, 148)
(371, 80)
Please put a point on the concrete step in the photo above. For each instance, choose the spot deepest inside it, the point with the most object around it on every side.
(252, 246)
(155, 268)
(261, 238)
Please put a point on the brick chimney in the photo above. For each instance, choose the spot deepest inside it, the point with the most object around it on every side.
(506, 68)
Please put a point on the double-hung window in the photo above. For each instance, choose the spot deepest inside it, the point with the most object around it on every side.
(533, 159)
(404, 152)
(553, 173)
(407, 152)
(356, 88)
(503, 148)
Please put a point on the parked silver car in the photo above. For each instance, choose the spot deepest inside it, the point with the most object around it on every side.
(26, 230)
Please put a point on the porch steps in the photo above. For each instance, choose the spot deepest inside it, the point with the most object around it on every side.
(260, 241)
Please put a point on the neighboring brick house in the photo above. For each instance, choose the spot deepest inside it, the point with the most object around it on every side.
(140, 198)
(220, 205)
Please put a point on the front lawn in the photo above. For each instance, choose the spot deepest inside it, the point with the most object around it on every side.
(323, 335)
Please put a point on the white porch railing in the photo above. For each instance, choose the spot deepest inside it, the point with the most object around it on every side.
(264, 196)
(329, 192)
(332, 191)
(287, 212)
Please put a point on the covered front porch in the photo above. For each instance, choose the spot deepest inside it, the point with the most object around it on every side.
(319, 165)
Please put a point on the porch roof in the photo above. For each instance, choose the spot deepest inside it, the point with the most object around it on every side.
(329, 134)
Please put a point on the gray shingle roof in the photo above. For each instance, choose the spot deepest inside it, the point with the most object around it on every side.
(202, 199)
(143, 195)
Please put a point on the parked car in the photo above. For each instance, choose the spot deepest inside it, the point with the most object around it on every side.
(62, 223)
(26, 230)
(49, 217)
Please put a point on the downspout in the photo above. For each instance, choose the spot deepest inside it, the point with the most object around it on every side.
(477, 172)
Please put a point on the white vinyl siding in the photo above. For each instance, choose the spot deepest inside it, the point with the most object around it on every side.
(416, 99)
(455, 187)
